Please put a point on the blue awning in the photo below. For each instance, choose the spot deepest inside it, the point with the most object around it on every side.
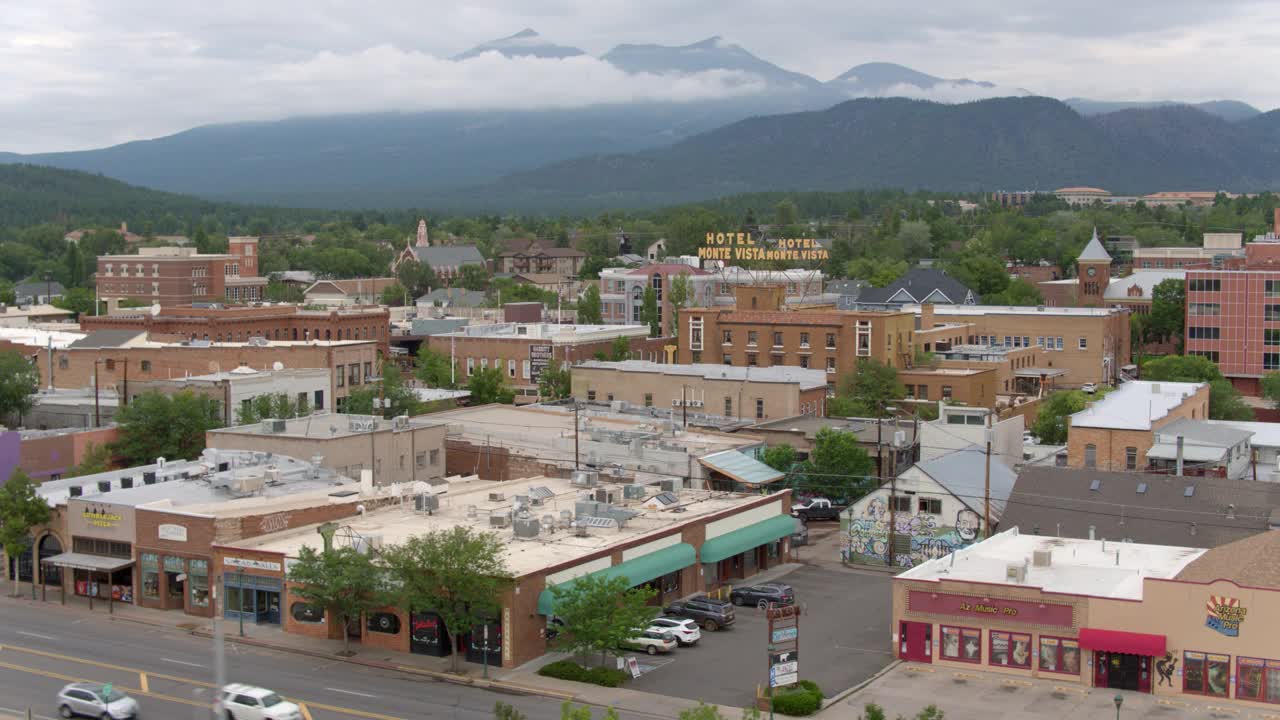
(636, 571)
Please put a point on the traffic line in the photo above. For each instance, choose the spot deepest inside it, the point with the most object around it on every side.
(35, 635)
(105, 666)
(351, 711)
(182, 662)
(72, 678)
(306, 714)
(351, 692)
(142, 680)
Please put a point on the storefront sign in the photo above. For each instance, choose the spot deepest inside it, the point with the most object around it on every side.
(507, 657)
(249, 564)
(785, 634)
(1225, 615)
(995, 609)
(99, 518)
(745, 246)
(540, 357)
(177, 533)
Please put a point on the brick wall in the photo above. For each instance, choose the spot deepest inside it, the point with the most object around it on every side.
(1111, 446)
(200, 538)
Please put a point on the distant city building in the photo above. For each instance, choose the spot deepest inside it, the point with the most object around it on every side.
(919, 285)
(349, 291)
(1080, 195)
(1119, 431)
(563, 261)
(446, 261)
(24, 315)
(181, 275)
(1216, 245)
(37, 292)
(1233, 305)
(1005, 198)
(622, 290)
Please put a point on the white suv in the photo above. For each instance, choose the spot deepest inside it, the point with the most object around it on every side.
(685, 630)
(246, 702)
(652, 641)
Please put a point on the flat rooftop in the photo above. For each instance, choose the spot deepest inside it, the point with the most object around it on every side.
(328, 425)
(807, 378)
(957, 372)
(551, 332)
(864, 428)
(468, 504)
(39, 337)
(1079, 567)
(1135, 405)
(1045, 310)
(44, 310)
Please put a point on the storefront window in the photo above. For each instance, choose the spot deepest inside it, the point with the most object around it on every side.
(1206, 674)
(963, 644)
(1060, 655)
(1010, 649)
(150, 575)
(198, 571)
(382, 622)
(306, 613)
(1258, 679)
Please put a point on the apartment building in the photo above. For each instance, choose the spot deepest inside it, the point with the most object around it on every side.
(1173, 258)
(758, 332)
(1233, 315)
(563, 261)
(220, 323)
(182, 275)
(622, 290)
(1117, 432)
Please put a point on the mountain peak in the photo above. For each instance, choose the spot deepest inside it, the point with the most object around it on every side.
(526, 43)
(713, 53)
(715, 41)
(525, 33)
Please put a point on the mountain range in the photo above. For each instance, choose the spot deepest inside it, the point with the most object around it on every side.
(394, 159)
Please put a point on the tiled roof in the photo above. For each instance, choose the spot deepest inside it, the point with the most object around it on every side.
(919, 284)
(1253, 561)
(451, 256)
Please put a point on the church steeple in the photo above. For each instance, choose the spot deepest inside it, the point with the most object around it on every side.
(1093, 269)
(422, 240)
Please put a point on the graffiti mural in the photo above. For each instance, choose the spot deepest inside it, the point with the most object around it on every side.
(865, 536)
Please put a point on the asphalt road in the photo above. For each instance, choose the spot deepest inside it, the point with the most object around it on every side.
(172, 674)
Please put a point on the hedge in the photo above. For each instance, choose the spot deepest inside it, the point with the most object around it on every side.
(803, 698)
(570, 670)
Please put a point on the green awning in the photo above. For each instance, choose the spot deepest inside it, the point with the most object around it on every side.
(743, 539)
(636, 571)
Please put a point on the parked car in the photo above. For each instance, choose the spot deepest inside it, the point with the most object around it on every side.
(816, 509)
(1028, 438)
(801, 535)
(684, 630)
(96, 700)
(1090, 388)
(710, 613)
(652, 641)
(246, 702)
(763, 595)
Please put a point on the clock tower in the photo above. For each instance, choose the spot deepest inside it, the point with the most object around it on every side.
(1093, 270)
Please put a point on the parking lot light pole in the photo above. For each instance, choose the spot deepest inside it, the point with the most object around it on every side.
(771, 682)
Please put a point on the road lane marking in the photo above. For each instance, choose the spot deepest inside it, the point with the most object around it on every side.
(36, 635)
(351, 692)
(142, 680)
(182, 662)
(302, 707)
(107, 666)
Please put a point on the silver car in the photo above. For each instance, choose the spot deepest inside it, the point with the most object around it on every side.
(94, 700)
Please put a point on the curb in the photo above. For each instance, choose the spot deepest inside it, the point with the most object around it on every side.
(838, 697)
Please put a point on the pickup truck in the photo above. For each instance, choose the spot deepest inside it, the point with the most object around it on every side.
(816, 509)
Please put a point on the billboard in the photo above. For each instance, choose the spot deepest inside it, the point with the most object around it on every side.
(539, 360)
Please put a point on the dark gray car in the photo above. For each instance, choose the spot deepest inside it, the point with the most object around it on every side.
(763, 595)
(710, 613)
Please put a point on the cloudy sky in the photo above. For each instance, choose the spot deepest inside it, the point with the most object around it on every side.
(78, 74)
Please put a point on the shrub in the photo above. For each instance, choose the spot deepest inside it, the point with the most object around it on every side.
(570, 670)
(804, 698)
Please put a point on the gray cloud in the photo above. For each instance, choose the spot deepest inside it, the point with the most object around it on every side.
(81, 73)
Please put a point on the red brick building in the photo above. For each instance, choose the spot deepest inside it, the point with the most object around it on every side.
(1233, 315)
(181, 275)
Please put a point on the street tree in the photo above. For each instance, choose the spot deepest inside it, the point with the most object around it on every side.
(1050, 427)
(555, 383)
(837, 467)
(600, 614)
(589, 312)
(1168, 310)
(473, 277)
(20, 511)
(486, 386)
(458, 573)
(172, 426)
(19, 379)
(1271, 388)
(679, 295)
(344, 582)
(621, 349)
(649, 313)
(867, 391)
(779, 457)
(433, 369)
(96, 459)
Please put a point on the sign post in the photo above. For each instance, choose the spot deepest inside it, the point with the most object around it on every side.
(784, 648)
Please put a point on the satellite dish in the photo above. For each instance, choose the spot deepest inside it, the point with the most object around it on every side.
(155, 309)
(277, 365)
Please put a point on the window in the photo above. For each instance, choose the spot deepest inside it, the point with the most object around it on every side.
(728, 337)
(804, 340)
(900, 503)
(751, 359)
(1008, 341)
(696, 356)
(1131, 458)
(726, 359)
(751, 337)
(695, 333)
(471, 368)
(383, 622)
(317, 402)
(1271, 288)
(511, 368)
(831, 341)
(198, 578)
(1017, 341)
(1090, 455)
(1011, 649)
(777, 339)
(1269, 336)
(963, 644)
(1271, 361)
(831, 366)
(1258, 679)
(1212, 355)
(1084, 343)
(777, 359)
(484, 363)
(1212, 333)
(111, 364)
(1212, 309)
(1059, 342)
(150, 563)
(804, 361)
(353, 374)
(420, 460)
(946, 392)
(933, 506)
(591, 395)
(306, 613)
(525, 369)
(435, 457)
(1060, 655)
(648, 399)
(1204, 285)
(341, 376)
(368, 371)
(63, 362)
(759, 408)
(1205, 673)
(862, 344)
(923, 392)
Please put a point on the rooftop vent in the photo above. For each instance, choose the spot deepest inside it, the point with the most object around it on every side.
(1189, 491)
(499, 520)
(497, 497)
(585, 478)
(1042, 558)
(541, 492)
(527, 527)
(424, 502)
(1142, 488)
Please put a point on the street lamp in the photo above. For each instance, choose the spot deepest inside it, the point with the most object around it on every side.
(1119, 700)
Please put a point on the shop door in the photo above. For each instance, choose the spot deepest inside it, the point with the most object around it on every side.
(478, 647)
(1144, 674)
(915, 641)
(1100, 669)
(1123, 671)
(428, 635)
(266, 606)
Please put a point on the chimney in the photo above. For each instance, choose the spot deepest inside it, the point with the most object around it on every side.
(926, 316)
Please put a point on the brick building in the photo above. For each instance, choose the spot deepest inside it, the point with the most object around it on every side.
(1116, 432)
(758, 332)
(181, 275)
(975, 387)
(218, 323)
(48, 454)
(1233, 315)
(563, 261)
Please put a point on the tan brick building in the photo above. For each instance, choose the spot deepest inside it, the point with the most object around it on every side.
(1116, 432)
(758, 332)
(240, 323)
(975, 387)
(704, 389)
(181, 275)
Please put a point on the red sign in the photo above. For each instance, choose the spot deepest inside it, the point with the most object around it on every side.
(994, 609)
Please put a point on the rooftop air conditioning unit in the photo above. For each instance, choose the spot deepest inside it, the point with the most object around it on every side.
(527, 528)
(499, 520)
(606, 496)
(1042, 558)
(667, 486)
(1015, 573)
(426, 503)
(497, 497)
(585, 478)
(633, 492)
(579, 529)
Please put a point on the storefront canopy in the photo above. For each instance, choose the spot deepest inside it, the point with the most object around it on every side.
(636, 571)
(84, 561)
(743, 539)
(1122, 642)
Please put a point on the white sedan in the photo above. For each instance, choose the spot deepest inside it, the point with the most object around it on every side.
(686, 631)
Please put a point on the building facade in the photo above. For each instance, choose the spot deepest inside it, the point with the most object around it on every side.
(1233, 315)
(563, 261)
(181, 275)
(1116, 432)
(622, 290)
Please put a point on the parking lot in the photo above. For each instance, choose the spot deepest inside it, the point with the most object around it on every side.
(843, 640)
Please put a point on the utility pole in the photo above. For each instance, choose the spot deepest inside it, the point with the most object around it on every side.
(576, 465)
(986, 485)
(97, 408)
(124, 399)
(893, 492)
(684, 407)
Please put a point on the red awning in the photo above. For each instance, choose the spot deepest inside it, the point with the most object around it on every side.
(1122, 642)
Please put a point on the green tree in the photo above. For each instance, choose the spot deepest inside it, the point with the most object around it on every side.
(704, 711)
(458, 573)
(433, 369)
(1050, 426)
(474, 277)
(1271, 388)
(418, 277)
(785, 213)
(621, 349)
(486, 386)
(284, 292)
(980, 267)
(1018, 292)
(837, 467)
(877, 271)
(1168, 310)
(78, 300)
(360, 401)
(589, 306)
(1226, 403)
(394, 295)
(19, 379)
(555, 383)
(914, 239)
(600, 614)
(1181, 368)
(75, 270)
(867, 391)
(679, 295)
(96, 459)
(172, 426)
(649, 313)
(344, 582)
(20, 511)
(779, 457)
